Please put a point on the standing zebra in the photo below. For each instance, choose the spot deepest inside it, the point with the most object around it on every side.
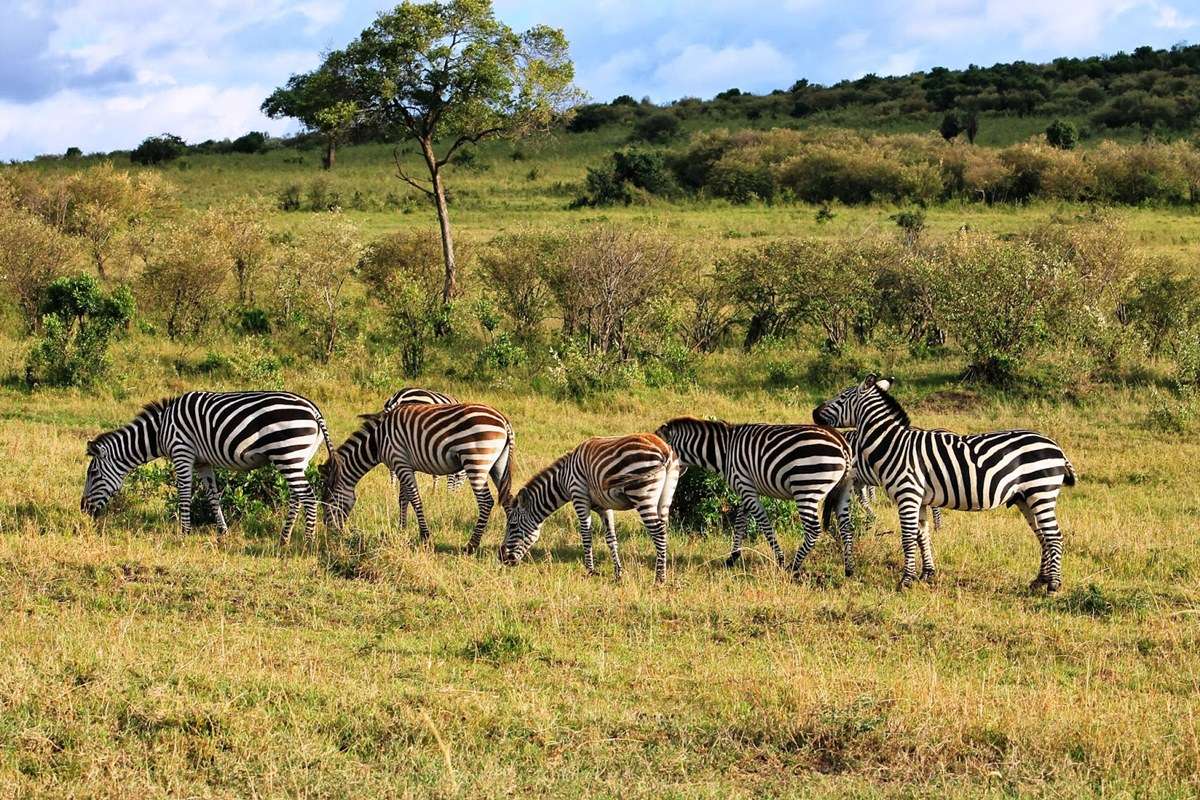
(940, 469)
(605, 474)
(436, 440)
(790, 462)
(202, 430)
(414, 394)
(866, 493)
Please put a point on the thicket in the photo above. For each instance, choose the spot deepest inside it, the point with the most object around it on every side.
(824, 165)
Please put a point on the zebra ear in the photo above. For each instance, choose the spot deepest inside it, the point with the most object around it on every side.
(870, 382)
(884, 384)
(92, 450)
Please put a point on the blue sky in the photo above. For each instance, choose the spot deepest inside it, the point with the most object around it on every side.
(102, 75)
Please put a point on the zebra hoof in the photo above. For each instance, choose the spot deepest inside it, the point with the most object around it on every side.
(733, 559)
(470, 549)
(849, 572)
(1038, 583)
(1052, 587)
(592, 573)
(927, 575)
(905, 583)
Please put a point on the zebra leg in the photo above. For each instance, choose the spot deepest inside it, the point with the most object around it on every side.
(208, 480)
(182, 462)
(764, 524)
(300, 489)
(293, 509)
(937, 518)
(812, 532)
(1043, 518)
(925, 544)
(483, 497)
(845, 523)
(583, 510)
(402, 498)
(408, 479)
(658, 534)
(610, 538)
(455, 481)
(910, 523)
(866, 499)
(739, 532)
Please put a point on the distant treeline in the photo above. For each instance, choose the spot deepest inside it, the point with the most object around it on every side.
(1150, 89)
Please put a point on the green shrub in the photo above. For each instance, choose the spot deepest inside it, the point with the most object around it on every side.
(577, 373)
(657, 127)
(253, 321)
(517, 267)
(289, 198)
(1062, 135)
(78, 322)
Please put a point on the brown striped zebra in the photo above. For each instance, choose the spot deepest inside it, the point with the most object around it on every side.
(417, 394)
(435, 440)
(789, 462)
(603, 474)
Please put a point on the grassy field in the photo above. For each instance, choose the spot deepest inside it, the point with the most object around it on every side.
(136, 662)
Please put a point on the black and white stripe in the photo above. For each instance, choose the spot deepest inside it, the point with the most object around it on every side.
(605, 474)
(865, 493)
(945, 470)
(201, 430)
(790, 462)
(435, 440)
(416, 394)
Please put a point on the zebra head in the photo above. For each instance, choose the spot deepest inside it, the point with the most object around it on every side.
(105, 474)
(845, 410)
(521, 532)
(338, 497)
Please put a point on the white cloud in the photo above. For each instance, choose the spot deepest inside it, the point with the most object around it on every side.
(73, 119)
(1169, 18)
(901, 63)
(700, 70)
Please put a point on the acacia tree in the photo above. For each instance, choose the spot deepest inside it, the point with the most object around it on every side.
(321, 101)
(449, 74)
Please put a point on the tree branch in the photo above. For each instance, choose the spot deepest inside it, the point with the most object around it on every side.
(467, 139)
(404, 176)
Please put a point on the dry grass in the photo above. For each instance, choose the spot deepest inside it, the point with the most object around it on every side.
(137, 662)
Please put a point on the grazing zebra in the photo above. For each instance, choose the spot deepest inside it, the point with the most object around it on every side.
(202, 430)
(605, 474)
(436, 440)
(940, 469)
(790, 462)
(414, 394)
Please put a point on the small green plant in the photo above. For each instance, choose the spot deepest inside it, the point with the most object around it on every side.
(79, 320)
(1063, 135)
(289, 198)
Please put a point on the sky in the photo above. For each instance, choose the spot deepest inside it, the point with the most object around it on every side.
(104, 74)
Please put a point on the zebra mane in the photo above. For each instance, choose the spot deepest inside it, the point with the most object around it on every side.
(149, 411)
(894, 408)
(711, 423)
(546, 473)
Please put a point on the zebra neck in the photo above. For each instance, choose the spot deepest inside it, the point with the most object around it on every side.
(546, 492)
(359, 455)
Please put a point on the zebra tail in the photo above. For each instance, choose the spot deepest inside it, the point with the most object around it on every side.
(504, 485)
(1069, 475)
(834, 499)
(333, 468)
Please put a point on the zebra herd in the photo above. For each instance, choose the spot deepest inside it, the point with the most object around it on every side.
(862, 439)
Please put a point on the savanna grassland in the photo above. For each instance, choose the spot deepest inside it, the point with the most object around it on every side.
(136, 662)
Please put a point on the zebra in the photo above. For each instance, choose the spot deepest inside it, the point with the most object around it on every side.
(436, 440)
(865, 493)
(201, 430)
(605, 474)
(414, 394)
(940, 469)
(803, 463)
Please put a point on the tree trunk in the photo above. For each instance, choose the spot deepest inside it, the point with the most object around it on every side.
(450, 287)
(330, 154)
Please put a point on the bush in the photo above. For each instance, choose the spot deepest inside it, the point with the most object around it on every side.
(611, 184)
(1062, 135)
(289, 198)
(32, 255)
(657, 127)
(158, 149)
(186, 271)
(78, 322)
(315, 270)
(516, 267)
(404, 273)
(577, 372)
(253, 142)
(1162, 305)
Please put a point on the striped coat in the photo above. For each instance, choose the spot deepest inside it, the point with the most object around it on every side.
(435, 440)
(940, 469)
(802, 463)
(604, 474)
(198, 431)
